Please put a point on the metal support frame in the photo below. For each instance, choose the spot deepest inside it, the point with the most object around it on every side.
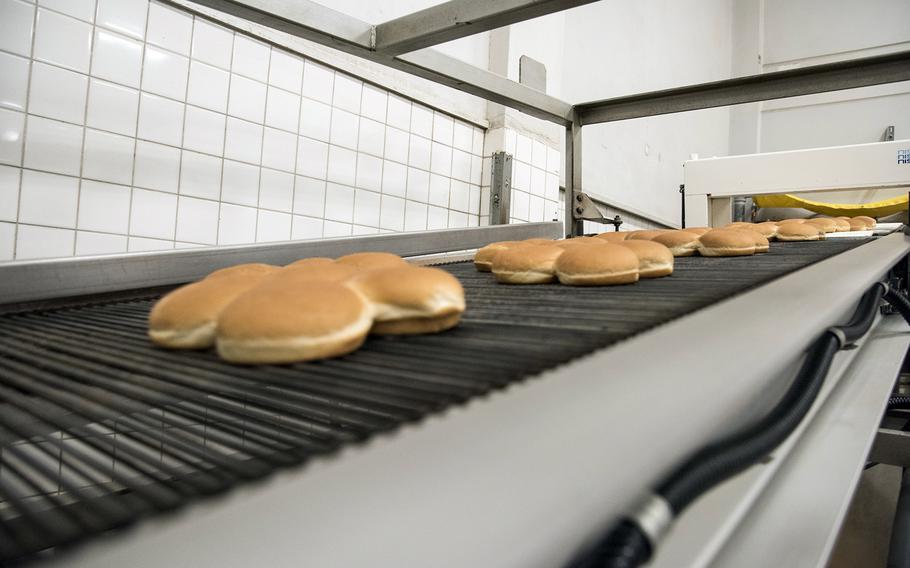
(459, 18)
(850, 74)
(891, 447)
(501, 189)
(315, 22)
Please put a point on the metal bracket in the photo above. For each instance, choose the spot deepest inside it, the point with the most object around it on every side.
(500, 188)
(587, 210)
(888, 134)
(682, 205)
(891, 447)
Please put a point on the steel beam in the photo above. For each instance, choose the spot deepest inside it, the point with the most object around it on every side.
(860, 72)
(460, 18)
(311, 21)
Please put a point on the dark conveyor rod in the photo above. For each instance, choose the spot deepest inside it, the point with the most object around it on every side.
(633, 540)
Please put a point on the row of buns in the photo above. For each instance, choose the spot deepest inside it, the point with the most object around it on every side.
(622, 257)
(314, 308)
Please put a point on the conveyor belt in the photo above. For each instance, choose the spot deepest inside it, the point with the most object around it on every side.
(98, 428)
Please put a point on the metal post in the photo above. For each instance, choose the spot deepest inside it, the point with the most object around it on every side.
(501, 189)
(574, 225)
(682, 205)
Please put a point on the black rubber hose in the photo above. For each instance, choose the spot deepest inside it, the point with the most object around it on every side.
(899, 550)
(627, 545)
(725, 458)
(900, 303)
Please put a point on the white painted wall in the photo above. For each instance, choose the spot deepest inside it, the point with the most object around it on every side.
(810, 32)
(619, 48)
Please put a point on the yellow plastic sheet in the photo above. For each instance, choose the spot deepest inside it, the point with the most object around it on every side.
(875, 209)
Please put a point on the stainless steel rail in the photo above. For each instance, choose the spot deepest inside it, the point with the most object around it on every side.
(41, 279)
(850, 74)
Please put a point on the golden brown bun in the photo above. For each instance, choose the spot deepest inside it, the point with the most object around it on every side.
(538, 241)
(287, 320)
(697, 230)
(483, 258)
(252, 269)
(614, 236)
(185, 318)
(584, 241)
(726, 242)
(334, 272)
(680, 243)
(313, 260)
(761, 243)
(826, 224)
(841, 225)
(598, 266)
(800, 232)
(767, 229)
(858, 225)
(527, 264)
(372, 260)
(870, 222)
(790, 221)
(411, 299)
(654, 259)
(644, 235)
(736, 225)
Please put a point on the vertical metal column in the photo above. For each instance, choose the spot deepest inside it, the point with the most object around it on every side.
(501, 189)
(574, 225)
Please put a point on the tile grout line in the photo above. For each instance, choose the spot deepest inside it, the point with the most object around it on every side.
(31, 64)
(224, 158)
(129, 215)
(297, 149)
(325, 198)
(265, 110)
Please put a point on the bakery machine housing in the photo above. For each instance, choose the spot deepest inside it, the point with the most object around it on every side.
(459, 470)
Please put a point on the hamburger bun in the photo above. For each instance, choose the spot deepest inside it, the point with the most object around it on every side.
(644, 235)
(527, 264)
(537, 241)
(334, 272)
(290, 319)
(252, 269)
(372, 260)
(737, 224)
(483, 258)
(790, 221)
(697, 230)
(613, 236)
(411, 299)
(186, 317)
(654, 259)
(313, 260)
(841, 225)
(800, 232)
(870, 222)
(761, 243)
(579, 241)
(680, 243)
(598, 266)
(826, 224)
(858, 225)
(726, 242)
(767, 229)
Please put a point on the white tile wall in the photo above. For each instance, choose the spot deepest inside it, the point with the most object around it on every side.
(131, 125)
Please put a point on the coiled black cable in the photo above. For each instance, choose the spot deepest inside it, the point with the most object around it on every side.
(628, 545)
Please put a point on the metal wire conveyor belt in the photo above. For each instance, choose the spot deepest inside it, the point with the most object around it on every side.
(98, 428)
